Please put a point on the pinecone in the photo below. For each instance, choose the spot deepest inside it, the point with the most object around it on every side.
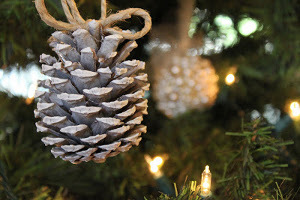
(93, 106)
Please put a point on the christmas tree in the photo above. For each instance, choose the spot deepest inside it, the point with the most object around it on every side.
(224, 93)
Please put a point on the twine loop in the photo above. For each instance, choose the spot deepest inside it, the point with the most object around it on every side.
(76, 21)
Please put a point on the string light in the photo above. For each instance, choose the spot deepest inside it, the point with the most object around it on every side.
(158, 161)
(31, 93)
(155, 165)
(206, 182)
(294, 109)
(230, 79)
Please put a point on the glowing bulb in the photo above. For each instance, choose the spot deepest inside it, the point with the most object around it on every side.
(295, 109)
(247, 26)
(153, 168)
(206, 182)
(158, 160)
(207, 169)
(229, 79)
(294, 105)
(31, 93)
(31, 90)
(155, 165)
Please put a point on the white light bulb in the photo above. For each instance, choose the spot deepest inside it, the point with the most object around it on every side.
(158, 160)
(229, 79)
(206, 182)
(155, 165)
(154, 168)
(295, 109)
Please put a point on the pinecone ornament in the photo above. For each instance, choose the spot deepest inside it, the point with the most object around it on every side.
(182, 80)
(94, 105)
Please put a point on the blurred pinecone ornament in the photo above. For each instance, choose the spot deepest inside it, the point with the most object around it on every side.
(183, 83)
(94, 105)
(182, 79)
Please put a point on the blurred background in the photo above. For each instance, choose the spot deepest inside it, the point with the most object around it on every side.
(212, 65)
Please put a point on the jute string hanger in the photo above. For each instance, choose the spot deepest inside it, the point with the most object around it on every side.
(76, 21)
(185, 13)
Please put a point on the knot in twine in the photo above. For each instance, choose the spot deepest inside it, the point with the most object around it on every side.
(76, 21)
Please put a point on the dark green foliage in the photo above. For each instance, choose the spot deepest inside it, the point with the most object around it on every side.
(5, 188)
(280, 196)
(192, 140)
(252, 168)
(187, 192)
(255, 164)
(191, 143)
(260, 72)
(45, 194)
(21, 19)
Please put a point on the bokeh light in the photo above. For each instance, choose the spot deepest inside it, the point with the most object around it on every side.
(223, 21)
(226, 27)
(294, 109)
(155, 164)
(247, 26)
(230, 79)
(21, 82)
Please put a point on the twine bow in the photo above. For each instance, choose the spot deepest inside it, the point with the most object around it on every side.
(76, 21)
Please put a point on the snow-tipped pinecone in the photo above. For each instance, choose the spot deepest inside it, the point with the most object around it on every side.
(94, 105)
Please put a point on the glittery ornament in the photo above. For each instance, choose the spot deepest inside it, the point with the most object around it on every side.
(183, 83)
(183, 80)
